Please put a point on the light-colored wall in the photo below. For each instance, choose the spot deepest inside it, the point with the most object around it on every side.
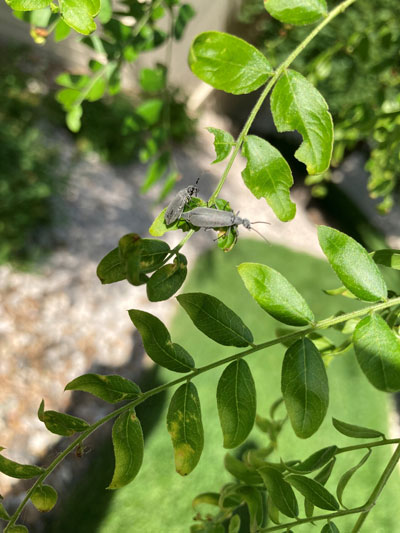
(210, 15)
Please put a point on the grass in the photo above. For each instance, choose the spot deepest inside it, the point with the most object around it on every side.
(159, 500)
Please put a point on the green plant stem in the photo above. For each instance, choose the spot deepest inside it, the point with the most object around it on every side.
(378, 489)
(328, 322)
(282, 67)
(316, 518)
(373, 444)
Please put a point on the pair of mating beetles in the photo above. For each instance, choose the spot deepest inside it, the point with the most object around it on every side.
(203, 217)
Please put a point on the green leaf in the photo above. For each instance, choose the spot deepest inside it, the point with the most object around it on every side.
(378, 353)
(314, 461)
(236, 400)
(304, 387)
(215, 319)
(297, 12)
(18, 529)
(79, 14)
(152, 79)
(17, 470)
(228, 63)
(127, 438)
(167, 280)
(97, 90)
(357, 432)
(44, 498)
(105, 12)
(275, 294)
(130, 249)
(297, 105)
(252, 497)
(60, 423)
(330, 528)
(352, 264)
(268, 175)
(241, 471)
(234, 524)
(389, 258)
(153, 253)
(68, 98)
(158, 228)
(186, 428)
(150, 110)
(73, 118)
(110, 269)
(210, 498)
(340, 291)
(324, 474)
(348, 475)
(61, 31)
(280, 492)
(27, 5)
(273, 511)
(111, 388)
(313, 491)
(3, 512)
(157, 342)
(156, 171)
(223, 142)
(185, 13)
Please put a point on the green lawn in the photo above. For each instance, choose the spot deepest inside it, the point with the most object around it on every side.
(159, 500)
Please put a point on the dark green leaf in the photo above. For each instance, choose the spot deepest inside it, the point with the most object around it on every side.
(127, 437)
(157, 342)
(348, 475)
(17, 470)
(313, 491)
(130, 249)
(308, 508)
(153, 253)
(79, 14)
(215, 319)
(111, 388)
(268, 175)
(280, 491)
(241, 471)
(324, 474)
(330, 528)
(17, 529)
(167, 280)
(315, 461)
(297, 12)
(273, 511)
(229, 499)
(44, 498)
(305, 387)
(275, 294)
(357, 432)
(60, 423)
(186, 428)
(228, 63)
(185, 13)
(110, 269)
(252, 497)
(297, 105)
(236, 400)
(389, 258)
(378, 353)
(352, 264)
(27, 5)
(223, 142)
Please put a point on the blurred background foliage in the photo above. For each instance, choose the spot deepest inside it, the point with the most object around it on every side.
(355, 63)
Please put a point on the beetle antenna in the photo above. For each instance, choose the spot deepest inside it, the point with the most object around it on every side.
(260, 222)
(260, 234)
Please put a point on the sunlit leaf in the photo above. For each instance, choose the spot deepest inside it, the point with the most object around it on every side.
(297, 12)
(17, 470)
(228, 63)
(297, 105)
(44, 498)
(223, 142)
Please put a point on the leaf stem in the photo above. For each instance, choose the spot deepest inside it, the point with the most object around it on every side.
(328, 322)
(378, 489)
(283, 66)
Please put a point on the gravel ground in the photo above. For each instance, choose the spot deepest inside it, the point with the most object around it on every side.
(59, 321)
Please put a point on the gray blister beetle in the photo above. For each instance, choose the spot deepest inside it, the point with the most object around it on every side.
(209, 218)
(177, 204)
